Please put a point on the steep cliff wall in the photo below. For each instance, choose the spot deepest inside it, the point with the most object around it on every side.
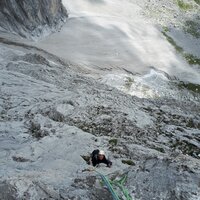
(31, 18)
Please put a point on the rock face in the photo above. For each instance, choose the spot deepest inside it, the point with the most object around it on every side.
(7, 191)
(165, 179)
(31, 18)
(51, 116)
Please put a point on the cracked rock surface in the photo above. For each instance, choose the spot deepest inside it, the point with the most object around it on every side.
(32, 18)
(51, 115)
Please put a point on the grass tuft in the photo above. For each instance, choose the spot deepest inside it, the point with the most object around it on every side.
(128, 162)
(165, 29)
(113, 142)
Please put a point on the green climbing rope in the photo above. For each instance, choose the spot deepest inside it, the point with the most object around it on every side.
(119, 184)
(109, 186)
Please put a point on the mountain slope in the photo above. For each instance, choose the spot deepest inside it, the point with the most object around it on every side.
(51, 116)
(31, 18)
(128, 37)
(54, 114)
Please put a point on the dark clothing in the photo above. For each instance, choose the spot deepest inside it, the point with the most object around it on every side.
(96, 160)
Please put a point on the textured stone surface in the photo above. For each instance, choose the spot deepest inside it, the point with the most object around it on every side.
(7, 191)
(31, 18)
(166, 178)
(52, 115)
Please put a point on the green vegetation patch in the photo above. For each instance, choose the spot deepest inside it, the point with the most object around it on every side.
(191, 59)
(128, 162)
(197, 1)
(184, 6)
(193, 27)
(165, 29)
(159, 149)
(113, 142)
(189, 86)
(128, 82)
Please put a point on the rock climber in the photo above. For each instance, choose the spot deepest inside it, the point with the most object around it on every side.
(97, 157)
